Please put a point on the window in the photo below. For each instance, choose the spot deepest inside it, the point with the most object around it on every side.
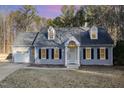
(94, 32)
(88, 53)
(56, 53)
(43, 53)
(94, 35)
(102, 53)
(51, 33)
(72, 44)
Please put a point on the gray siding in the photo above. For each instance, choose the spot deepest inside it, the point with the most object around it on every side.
(50, 60)
(31, 56)
(94, 61)
(97, 61)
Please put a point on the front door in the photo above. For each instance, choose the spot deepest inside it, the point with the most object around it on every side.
(72, 55)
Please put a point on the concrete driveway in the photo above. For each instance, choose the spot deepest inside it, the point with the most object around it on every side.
(8, 68)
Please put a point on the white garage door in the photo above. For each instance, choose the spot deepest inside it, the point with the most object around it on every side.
(21, 57)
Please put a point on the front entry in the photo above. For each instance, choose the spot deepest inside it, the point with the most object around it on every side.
(72, 54)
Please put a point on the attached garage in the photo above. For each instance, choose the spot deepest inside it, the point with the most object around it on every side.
(22, 47)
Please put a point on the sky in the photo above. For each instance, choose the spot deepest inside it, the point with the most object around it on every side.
(48, 11)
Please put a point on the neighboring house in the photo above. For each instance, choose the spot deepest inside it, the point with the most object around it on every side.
(71, 47)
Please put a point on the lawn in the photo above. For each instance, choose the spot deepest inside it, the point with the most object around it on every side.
(85, 77)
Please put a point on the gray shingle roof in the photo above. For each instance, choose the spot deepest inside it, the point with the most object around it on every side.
(62, 35)
(24, 38)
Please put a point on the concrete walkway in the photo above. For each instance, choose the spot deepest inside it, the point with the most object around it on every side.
(8, 68)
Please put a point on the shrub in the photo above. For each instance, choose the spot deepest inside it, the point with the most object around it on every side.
(119, 53)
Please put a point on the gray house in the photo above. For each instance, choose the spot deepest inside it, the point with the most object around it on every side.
(71, 47)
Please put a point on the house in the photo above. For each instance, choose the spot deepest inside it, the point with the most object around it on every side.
(72, 47)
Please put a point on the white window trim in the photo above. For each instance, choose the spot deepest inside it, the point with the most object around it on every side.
(51, 30)
(94, 29)
(53, 37)
(41, 53)
(86, 53)
(104, 54)
(58, 54)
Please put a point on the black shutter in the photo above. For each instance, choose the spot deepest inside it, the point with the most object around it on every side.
(92, 53)
(47, 53)
(84, 54)
(39, 53)
(60, 53)
(106, 53)
(52, 54)
(98, 53)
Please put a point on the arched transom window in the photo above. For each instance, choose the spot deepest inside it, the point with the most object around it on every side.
(72, 44)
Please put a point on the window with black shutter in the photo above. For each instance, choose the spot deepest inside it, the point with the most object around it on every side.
(84, 57)
(39, 53)
(60, 53)
(106, 53)
(98, 54)
(47, 53)
(92, 53)
(52, 55)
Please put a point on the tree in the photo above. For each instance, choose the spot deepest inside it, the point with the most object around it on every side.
(66, 18)
(80, 17)
(50, 22)
(24, 17)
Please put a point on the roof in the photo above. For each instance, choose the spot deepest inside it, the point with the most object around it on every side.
(103, 38)
(63, 35)
(25, 38)
(81, 34)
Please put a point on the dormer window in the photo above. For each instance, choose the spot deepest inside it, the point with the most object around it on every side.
(94, 32)
(51, 33)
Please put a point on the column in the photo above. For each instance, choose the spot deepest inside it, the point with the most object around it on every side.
(65, 55)
(78, 55)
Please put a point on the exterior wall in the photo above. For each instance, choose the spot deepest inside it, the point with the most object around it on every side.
(21, 57)
(31, 56)
(50, 60)
(96, 61)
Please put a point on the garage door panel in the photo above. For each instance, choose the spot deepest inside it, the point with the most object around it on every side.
(21, 57)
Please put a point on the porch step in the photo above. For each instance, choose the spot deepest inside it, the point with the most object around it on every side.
(73, 66)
